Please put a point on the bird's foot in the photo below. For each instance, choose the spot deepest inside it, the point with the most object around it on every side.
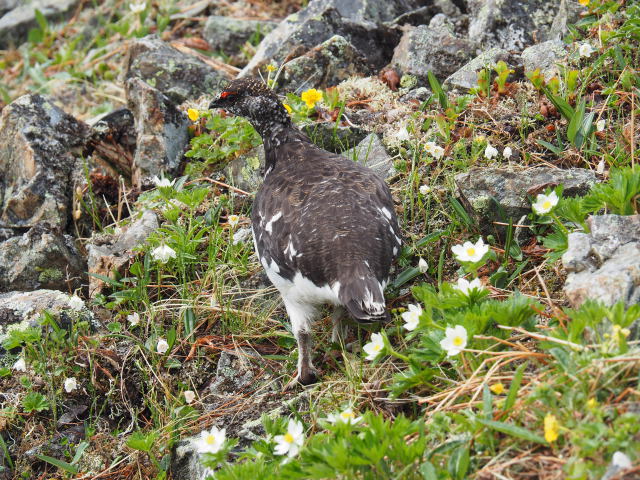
(305, 376)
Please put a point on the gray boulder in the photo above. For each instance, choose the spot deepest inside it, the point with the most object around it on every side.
(110, 254)
(361, 22)
(325, 65)
(466, 77)
(544, 57)
(497, 194)
(432, 48)
(38, 143)
(605, 263)
(16, 21)
(228, 35)
(511, 25)
(177, 75)
(42, 257)
(371, 153)
(245, 171)
(161, 132)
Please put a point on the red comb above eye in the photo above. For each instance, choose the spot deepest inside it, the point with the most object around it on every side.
(227, 94)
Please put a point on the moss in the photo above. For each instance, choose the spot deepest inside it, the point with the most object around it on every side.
(48, 275)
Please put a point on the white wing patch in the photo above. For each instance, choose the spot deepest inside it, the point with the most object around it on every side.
(269, 226)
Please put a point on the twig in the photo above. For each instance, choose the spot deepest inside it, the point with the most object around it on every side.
(538, 336)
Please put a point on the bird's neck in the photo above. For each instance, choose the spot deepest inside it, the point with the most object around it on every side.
(273, 136)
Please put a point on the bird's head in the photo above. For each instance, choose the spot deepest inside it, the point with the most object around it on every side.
(252, 99)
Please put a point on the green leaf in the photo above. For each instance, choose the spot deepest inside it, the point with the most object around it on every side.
(437, 89)
(560, 103)
(513, 389)
(550, 146)
(34, 401)
(189, 321)
(459, 462)
(141, 441)
(67, 467)
(512, 430)
(42, 20)
(405, 276)
(428, 471)
(576, 121)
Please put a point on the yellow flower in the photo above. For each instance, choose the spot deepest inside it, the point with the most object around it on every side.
(193, 114)
(583, 2)
(311, 97)
(497, 388)
(287, 107)
(271, 68)
(592, 403)
(551, 428)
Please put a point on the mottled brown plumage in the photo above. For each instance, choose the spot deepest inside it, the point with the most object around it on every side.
(324, 226)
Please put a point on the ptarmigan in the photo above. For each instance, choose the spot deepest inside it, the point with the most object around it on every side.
(324, 227)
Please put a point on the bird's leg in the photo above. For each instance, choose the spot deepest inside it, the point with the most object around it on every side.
(339, 331)
(301, 317)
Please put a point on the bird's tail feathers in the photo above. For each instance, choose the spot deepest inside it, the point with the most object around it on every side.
(363, 297)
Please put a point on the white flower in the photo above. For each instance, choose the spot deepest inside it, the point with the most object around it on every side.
(70, 384)
(600, 124)
(585, 50)
(412, 317)
(544, 203)
(466, 286)
(163, 253)
(346, 416)
(455, 340)
(469, 252)
(425, 189)
(20, 365)
(233, 220)
(138, 7)
(290, 442)
(374, 347)
(76, 303)
(435, 151)
(621, 461)
(210, 441)
(162, 346)
(189, 396)
(401, 135)
(423, 266)
(507, 152)
(490, 151)
(133, 319)
(600, 167)
(241, 235)
(163, 182)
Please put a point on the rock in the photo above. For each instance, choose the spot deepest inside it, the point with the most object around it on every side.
(21, 309)
(420, 94)
(568, 14)
(112, 141)
(177, 75)
(37, 146)
(185, 461)
(371, 153)
(620, 462)
(234, 372)
(228, 35)
(511, 25)
(162, 132)
(604, 264)
(496, 194)
(466, 77)
(360, 22)
(431, 48)
(18, 20)
(109, 255)
(327, 136)
(43, 257)
(325, 65)
(245, 171)
(544, 56)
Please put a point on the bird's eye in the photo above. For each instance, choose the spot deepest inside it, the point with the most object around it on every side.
(227, 94)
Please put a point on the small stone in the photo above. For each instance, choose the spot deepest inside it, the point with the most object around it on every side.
(466, 77)
(371, 153)
(544, 57)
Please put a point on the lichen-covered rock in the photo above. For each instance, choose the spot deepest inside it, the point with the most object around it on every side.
(544, 57)
(19, 310)
(334, 139)
(245, 171)
(177, 75)
(568, 13)
(497, 194)
(109, 255)
(466, 77)
(325, 65)
(432, 48)
(604, 264)
(358, 21)
(371, 153)
(228, 35)
(43, 257)
(511, 25)
(19, 17)
(37, 146)
(161, 132)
